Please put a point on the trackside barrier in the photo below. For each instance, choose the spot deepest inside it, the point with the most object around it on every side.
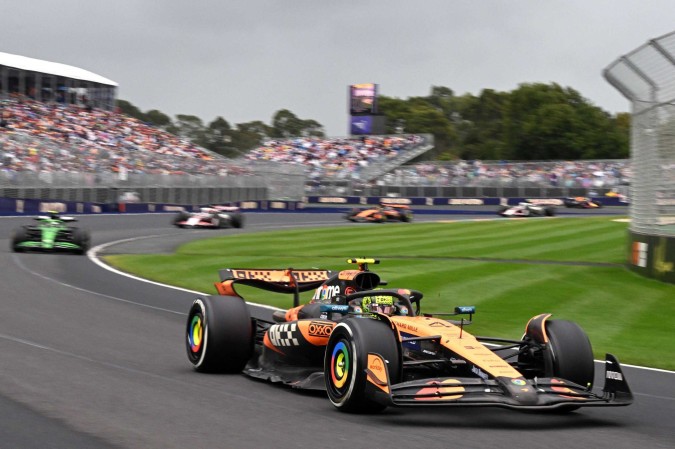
(355, 201)
(13, 206)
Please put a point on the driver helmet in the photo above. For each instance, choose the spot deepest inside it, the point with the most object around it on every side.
(54, 214)
(379, 304)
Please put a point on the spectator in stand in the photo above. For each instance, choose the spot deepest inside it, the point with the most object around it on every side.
(55, 137)
(334, 157)
(586, 174)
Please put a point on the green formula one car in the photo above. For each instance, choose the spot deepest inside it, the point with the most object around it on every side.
(51, 233)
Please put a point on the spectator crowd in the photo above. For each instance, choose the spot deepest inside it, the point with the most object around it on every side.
(39, 137)
(343, 158)
(46, 138)
(564, 174)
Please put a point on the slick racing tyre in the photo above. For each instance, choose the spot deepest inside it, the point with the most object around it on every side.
(567, 354)
(571, 353)
(19, 235)
(346, 361)
(237, 220)
(82, 239)
(180, 216)
(219, 334)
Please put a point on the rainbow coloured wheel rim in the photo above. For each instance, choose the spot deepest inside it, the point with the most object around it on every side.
(196, 334)
(341, 364)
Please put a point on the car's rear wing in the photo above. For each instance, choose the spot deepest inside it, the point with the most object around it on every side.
(48, 218)
(287, 280)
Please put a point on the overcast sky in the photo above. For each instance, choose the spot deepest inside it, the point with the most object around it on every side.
(245, 60)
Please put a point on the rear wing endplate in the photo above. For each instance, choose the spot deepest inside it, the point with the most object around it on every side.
(285, 280)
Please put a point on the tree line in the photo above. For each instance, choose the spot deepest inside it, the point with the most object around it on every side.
(532, 122)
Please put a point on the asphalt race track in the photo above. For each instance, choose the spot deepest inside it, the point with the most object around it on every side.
(91, 359)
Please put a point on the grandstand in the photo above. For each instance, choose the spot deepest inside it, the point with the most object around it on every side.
(60, 137)
(50, 81)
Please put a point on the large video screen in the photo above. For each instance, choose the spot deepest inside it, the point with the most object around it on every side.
(363, 99)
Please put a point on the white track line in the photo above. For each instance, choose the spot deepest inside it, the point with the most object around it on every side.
(93, 256)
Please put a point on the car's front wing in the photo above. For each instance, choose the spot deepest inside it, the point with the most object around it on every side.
(516, 393)
(39, 245)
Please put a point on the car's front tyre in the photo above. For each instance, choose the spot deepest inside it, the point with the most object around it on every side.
(346, 360)
(18, 236)
(81, 238)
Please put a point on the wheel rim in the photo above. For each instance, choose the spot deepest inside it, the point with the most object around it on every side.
(196, 333)
(340, 363)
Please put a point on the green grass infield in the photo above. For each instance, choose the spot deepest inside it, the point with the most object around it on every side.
(510, 270)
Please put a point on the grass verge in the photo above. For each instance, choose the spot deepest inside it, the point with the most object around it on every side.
(509, 269)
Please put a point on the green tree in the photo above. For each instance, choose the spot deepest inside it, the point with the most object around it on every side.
(550, 122)
(129, 109)
(286, 124)
(249, 135)
(419, 115)
(218, 135)
(158, 119)
(312, 128)
(192, 128)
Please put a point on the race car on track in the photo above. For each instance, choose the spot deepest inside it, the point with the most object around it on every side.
(526, 209)
(210, 217)
(582, 202)
(381, 214)
(52, 232)
(369, 347)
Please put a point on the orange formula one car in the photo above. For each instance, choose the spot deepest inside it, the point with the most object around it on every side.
(381, 214)
(370, 347)
(582, 202)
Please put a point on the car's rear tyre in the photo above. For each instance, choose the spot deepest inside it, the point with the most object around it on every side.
(237, 221)
(549, 211)
(19, 235)
(346, 359)
(219, 334)
(179, 217)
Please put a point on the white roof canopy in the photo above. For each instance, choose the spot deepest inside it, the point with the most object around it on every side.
(52, 68)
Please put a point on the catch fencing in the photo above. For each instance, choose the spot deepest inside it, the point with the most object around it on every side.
(646, 76)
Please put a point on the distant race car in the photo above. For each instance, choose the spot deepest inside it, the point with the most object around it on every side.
(211, 217)
(52, 232)
(381, 214)
(525, 209)
(582, 202)
(370, 348)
